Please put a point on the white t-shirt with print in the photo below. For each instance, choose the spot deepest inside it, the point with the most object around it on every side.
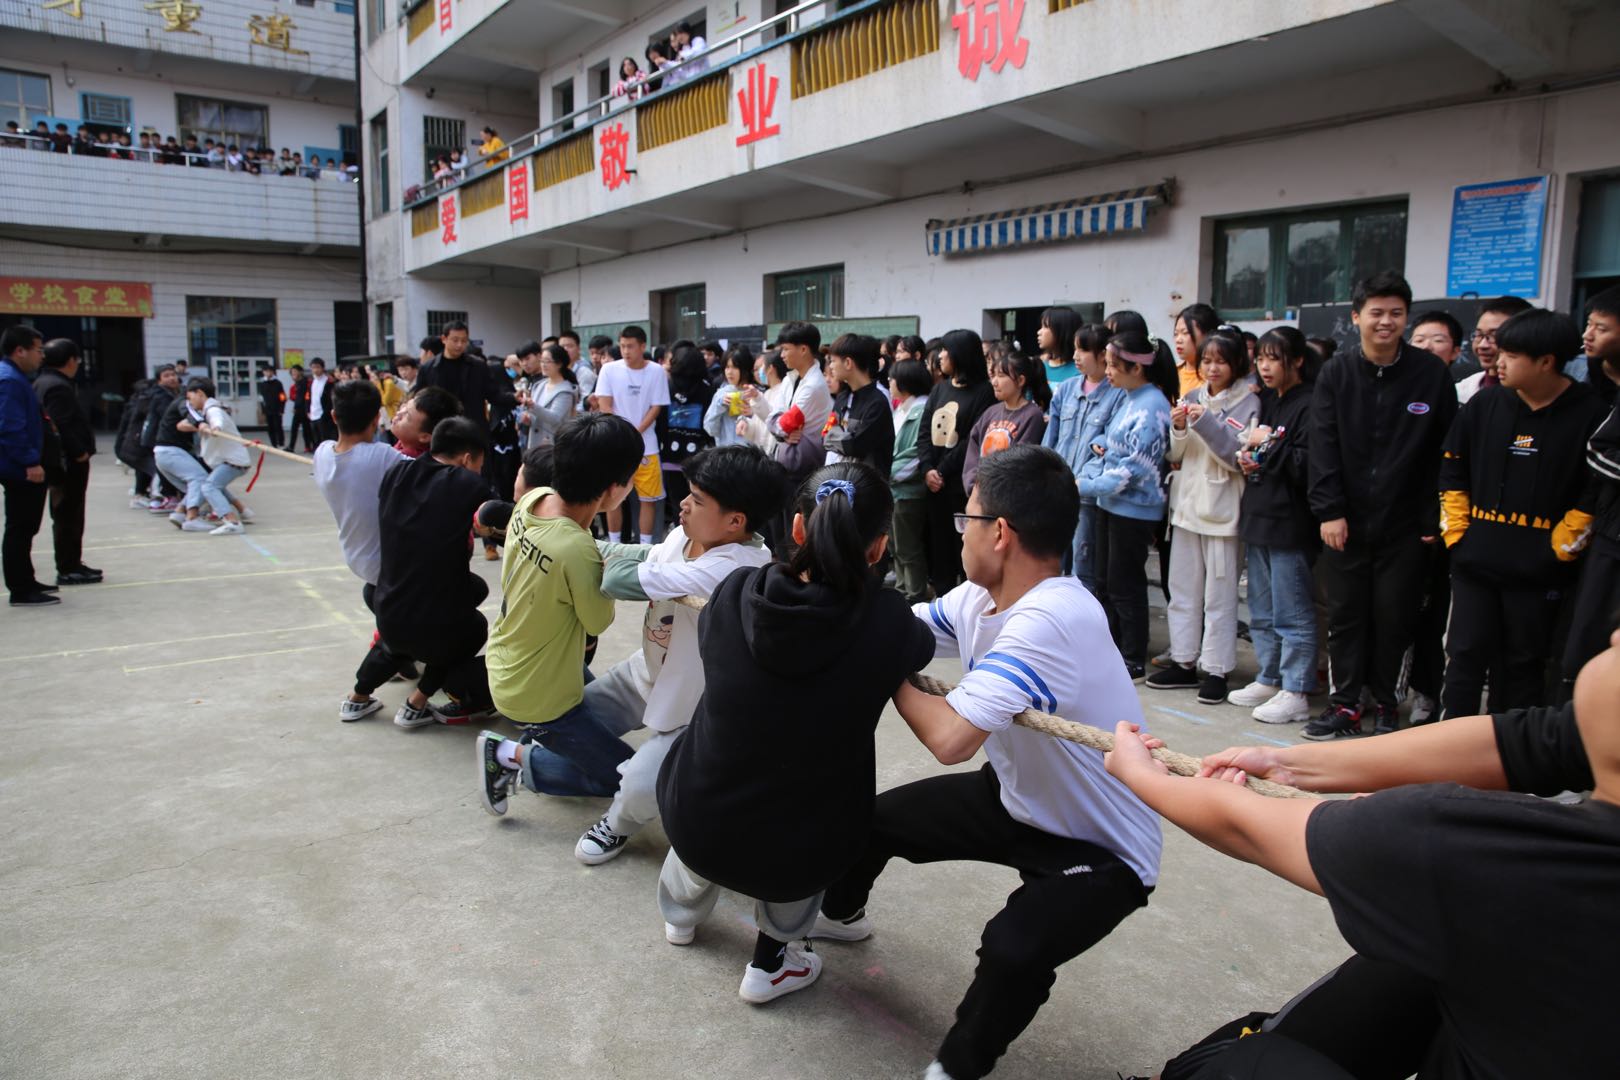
(668, 671)
(1051, 652)
(633, 393)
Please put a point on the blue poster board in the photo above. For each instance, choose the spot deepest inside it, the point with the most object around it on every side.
(1496, 236)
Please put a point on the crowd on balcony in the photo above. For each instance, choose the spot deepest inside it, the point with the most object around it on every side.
(682, 45)
(118, 144)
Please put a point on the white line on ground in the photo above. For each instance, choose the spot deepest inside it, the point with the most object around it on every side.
(334, 624)
(218, 659)
(221, 577)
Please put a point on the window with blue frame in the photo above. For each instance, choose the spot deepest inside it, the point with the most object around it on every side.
(105, 110)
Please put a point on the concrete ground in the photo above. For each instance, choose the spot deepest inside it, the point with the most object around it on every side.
(206, 875)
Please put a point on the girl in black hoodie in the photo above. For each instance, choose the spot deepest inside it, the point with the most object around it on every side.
(769, 792)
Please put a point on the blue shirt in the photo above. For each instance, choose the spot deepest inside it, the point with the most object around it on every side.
(1077, 420)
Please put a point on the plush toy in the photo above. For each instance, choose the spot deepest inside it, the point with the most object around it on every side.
(791, 421)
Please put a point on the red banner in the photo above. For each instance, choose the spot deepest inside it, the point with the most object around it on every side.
(517, 191)
(60, 296)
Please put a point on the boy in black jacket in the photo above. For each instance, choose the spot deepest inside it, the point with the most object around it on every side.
(1598, 596)
(1379, 415)
(1510, 486)
(59, 397)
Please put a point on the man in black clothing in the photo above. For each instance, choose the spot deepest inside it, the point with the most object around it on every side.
(22, 471)
(1510, 487)
(865, 429)
(1379, 414)
(427, 598)
(467, 377)
(68, 475)
(273, 400)
(300, 417)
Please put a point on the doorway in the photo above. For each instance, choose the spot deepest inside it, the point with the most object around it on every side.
(1021, 327)
(680, 313)
(114, 359)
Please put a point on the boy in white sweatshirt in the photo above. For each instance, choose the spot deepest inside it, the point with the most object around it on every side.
(734, 489)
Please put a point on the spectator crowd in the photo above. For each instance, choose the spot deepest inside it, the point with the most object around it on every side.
(120, 145)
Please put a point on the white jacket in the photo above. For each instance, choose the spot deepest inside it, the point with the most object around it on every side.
(216, 451)
(1206, 491)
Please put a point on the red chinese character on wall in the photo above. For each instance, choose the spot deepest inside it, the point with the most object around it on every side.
(447, 219)
(615, 157)
(517, 191)
(757, 103)
(987, 33)
(445, 15)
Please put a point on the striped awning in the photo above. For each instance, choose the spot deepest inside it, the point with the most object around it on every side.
(1094, 215)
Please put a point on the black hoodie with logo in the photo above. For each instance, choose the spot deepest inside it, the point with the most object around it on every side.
(769, 792)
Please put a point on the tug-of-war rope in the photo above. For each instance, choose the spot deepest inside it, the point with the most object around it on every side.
(1045, 723)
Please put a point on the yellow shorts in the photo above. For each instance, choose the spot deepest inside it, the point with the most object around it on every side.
(649, 479)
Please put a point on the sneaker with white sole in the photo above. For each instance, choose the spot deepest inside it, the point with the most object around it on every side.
(1285, 707)
(495, 779)
(177, 518)
(599, 844)
(226, 529)
(409, 716)
(800, 967)
(1424, 709)
(196, 524)
(352, 710)
(1256, 693)
(246, 513)
(856, 928)
(458, 714)
(679, 935)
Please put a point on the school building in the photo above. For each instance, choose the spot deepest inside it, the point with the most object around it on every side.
(919, 165)
(143, 262)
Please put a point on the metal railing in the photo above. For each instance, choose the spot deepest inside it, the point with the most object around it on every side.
(671, 80)
(869, 41)
(160, 155)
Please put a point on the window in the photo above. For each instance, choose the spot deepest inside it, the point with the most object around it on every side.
(682, 313)
(1266, 265)
(24, 97)
(440, 135)
(349, 328)
(377, 17)
(229, 326)
(599, 83)
(238, 122)
(104, 110)
(562, 102)
(437, 320)
(380, 184)
(808, 294)
(385, 329)
(349, 143)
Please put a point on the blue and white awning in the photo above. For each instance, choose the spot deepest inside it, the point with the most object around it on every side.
(1094, 215)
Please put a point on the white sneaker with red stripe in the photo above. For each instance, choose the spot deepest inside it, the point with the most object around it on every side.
(800, 967)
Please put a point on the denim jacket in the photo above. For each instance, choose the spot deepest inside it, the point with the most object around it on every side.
(1134, 445)
(1077, 420)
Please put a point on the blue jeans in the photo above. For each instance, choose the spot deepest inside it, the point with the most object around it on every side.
(574, 755)
(183, 471)
(214, 488)
(1084, 558)
(1282, 617)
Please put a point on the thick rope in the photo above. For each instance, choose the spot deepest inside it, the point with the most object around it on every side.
(1083, 734)
(262, 449)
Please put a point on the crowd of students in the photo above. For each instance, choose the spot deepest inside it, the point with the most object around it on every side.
(119, 144)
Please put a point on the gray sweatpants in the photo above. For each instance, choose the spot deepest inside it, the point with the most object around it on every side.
(686, 900)
(616, 704)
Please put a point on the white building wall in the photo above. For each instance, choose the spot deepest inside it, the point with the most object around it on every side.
(500, 317)
(1422, 156)
(303, 287)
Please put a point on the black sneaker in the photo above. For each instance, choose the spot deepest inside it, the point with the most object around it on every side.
(456, 713)
(1386, 719)
(599, 844)
(1135, 671)
(1212, 691)
(496, 778)
(35, 599)
(1336, 721)
(78, 577)
(1174, 677)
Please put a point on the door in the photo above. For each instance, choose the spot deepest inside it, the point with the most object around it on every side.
(236, 381)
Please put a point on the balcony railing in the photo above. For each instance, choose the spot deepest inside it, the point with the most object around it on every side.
(863, 43)
(915, 23)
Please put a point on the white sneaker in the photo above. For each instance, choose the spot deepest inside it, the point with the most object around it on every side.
(1286, 708)
(800, 967)
(226, 528)
(178, 518)
(1256, 693)
(196, 524)
(857, 929)
(352, 710)
(409, 716)
(679, 935)
(245, 513)
(936, 1071)
(1423, 709)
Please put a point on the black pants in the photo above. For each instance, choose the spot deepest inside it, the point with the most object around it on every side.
(1120, 547)
(272, 425)
(1373, 589)
(301, 424)
(380, 663)
(1597, 609)
(448, 644)
(25, 510)
(944, 542)
(67, 516)
(325, 430)
(1506, 631)
(1365, 1019)
(1051, 918)
(1429, 632)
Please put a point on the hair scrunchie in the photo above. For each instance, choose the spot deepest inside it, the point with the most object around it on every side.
(828, 487)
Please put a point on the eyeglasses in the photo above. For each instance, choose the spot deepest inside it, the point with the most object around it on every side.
(961, 520)
(1483, 335)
